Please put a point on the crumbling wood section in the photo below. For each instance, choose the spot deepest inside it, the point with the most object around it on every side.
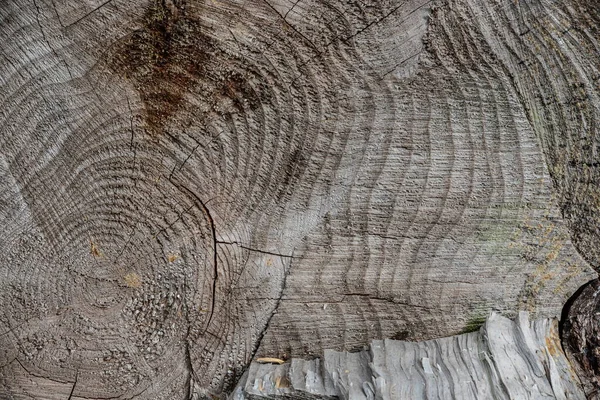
(505, 359)
(580, 332)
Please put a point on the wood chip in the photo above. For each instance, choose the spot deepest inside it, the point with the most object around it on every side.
(269, 360)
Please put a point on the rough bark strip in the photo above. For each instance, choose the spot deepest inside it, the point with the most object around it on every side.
(581, 338)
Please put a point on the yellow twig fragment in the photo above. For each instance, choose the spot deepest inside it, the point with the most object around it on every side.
(269, 360)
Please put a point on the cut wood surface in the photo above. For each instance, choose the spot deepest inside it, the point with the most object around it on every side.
(503, 360)
(186, 185)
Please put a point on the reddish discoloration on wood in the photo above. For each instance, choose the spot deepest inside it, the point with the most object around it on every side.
(173, 56)
(164, 60)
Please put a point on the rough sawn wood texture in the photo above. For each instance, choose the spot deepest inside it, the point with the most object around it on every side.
(185, 185)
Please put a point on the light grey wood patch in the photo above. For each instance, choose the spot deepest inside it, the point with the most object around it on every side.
(505, 359)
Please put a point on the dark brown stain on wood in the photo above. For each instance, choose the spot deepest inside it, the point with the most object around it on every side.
(173, 56)
(164, 59)
(401, 335)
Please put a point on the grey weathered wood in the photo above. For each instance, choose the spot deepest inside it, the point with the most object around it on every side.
(188, 184)
(505, 359)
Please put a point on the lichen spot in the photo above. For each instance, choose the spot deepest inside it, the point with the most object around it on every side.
(553, 342)
(133, 280)
(94, 250)
(172, 258)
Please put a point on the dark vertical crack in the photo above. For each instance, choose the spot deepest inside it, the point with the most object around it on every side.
(57, 14)
(564, 315)
(264, 330)
(211, 222)
(74, 384)
(60, 59)
(131, 129)
(192, 377)
(190, 367)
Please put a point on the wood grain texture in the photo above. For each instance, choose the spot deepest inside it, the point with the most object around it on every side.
(186, 185)
(431, 227)
(503, 360)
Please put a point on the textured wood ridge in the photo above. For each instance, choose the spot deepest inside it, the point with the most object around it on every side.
(503, 360)
(186, 185)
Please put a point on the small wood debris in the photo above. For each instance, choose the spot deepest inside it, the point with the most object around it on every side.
(270, 360)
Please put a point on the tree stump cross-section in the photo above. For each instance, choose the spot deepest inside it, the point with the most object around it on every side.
(186, 185)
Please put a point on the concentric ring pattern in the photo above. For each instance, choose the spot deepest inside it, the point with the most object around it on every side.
(187, 184)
